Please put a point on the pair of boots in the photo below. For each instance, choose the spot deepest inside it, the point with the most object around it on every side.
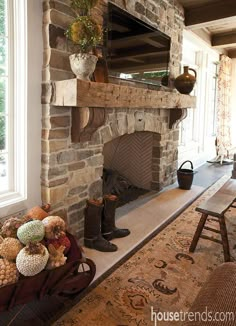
(99, 225)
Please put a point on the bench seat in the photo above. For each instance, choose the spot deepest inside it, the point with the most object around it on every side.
(216, 206)
(220, 202)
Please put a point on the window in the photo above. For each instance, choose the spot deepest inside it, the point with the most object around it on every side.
(12, 101)
(197, 131)
(20, 109)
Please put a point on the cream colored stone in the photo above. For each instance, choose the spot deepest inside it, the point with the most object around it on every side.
(55, 194)
(71, 200)
(140, 120)
(131, 122)
(50, 146)
(122, 125)
(82, 177)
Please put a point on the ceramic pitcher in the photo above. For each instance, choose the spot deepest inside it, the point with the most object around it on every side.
(185, 82)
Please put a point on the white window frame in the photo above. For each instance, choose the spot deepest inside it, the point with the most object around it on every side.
(27, 52)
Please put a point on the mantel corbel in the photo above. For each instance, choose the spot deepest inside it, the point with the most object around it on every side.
(176, 116)
(85, 121)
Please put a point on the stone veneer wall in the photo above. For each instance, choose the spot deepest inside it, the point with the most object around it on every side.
(71, 173)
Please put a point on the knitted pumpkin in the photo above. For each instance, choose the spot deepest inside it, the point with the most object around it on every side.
(8, 272)
(9, 248)
(31, 232)
(32, 259)
(54, 227)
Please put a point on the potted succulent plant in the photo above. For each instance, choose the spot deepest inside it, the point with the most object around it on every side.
(85, 34)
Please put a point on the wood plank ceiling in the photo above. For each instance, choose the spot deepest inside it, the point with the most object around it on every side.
(215, 19)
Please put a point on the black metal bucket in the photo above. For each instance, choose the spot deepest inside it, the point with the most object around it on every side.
(185, 176)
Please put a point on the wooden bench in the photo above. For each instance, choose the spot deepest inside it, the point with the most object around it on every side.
(216, 206)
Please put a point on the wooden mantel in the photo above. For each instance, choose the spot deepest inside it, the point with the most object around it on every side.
(90, 100)
(79, 93)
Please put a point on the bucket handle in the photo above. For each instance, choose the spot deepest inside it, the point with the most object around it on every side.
(186, 162)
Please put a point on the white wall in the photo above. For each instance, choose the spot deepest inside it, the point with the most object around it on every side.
(35, 62)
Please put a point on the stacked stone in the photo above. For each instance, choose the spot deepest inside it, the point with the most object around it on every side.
(71, 173)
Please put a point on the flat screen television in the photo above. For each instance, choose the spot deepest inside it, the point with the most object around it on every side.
(136, 51)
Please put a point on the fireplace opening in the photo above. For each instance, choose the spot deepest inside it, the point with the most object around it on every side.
(131, 165)
(116, 184)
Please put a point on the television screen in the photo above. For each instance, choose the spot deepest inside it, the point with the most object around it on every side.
(135, 50)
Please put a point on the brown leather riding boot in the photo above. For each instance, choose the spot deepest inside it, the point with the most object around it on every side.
(109, 229)
(92, 228)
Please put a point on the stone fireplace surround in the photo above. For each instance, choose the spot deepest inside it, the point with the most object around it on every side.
(71, 171)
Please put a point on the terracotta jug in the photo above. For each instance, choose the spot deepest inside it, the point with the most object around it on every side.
(185, 82)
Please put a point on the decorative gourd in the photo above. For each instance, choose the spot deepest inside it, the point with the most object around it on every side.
(9, 248)
(10, 227)
(31, 232)
(62, 241)
(56, 257)
(32, 259)
(39, 213)
(55, 227)
(8, 272)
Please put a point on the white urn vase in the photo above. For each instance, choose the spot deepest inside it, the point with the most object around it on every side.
(83, 65)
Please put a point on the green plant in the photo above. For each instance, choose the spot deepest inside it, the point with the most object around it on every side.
(85, 32)
(83, 7)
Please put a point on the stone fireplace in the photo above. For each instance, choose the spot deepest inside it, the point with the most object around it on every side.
(83, 122)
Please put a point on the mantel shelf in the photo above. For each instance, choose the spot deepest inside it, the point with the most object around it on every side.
(79, 93)
(90, 100)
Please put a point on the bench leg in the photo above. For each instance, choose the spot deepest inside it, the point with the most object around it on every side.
(224, 237)
(198, 232)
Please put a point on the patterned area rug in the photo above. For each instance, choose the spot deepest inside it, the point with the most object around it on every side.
(162, 275)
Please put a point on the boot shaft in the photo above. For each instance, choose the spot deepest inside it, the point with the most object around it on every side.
(109, 229)
(92, 218)
(108, 214)
(92, 228)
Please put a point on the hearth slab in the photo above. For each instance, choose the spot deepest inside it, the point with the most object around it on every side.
(143, 217)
